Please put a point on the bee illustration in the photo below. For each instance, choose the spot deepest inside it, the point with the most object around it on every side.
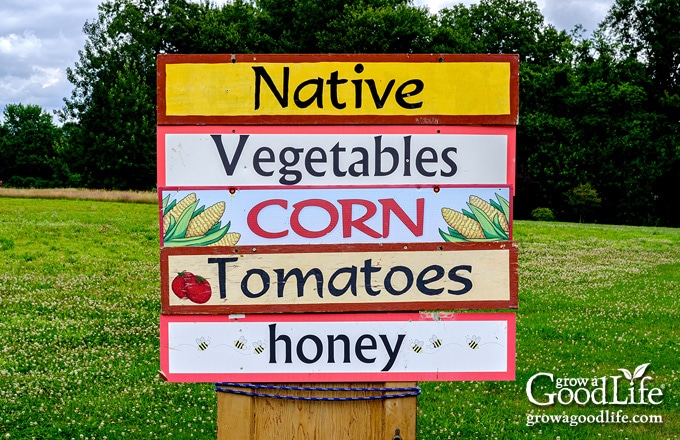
(202, 343)
(436, 342)
(259, 347)
(473, 342)
(417, 346)
(240, 343)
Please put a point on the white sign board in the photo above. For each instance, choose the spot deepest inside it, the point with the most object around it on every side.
(332, 347)
(288, 156)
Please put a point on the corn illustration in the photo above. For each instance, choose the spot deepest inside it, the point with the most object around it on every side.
(186, 225)
(229, 239)
(468, 227)
(485, 221)
(490, 211)
(180, 207)
(173, 214)
(202, 223)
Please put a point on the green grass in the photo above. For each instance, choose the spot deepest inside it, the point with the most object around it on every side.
(80, 302)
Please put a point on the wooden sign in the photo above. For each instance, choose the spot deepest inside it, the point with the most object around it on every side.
(338, 89)
(338, 348)
(334, 278)
(331, 155)
(248, 216)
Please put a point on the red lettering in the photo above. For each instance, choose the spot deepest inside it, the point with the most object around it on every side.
(254, 225)
(323, 204)
(348, 222)
(349, 208)
(389, 205)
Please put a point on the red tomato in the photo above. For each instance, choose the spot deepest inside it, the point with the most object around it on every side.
(198, 291)
(180, 282)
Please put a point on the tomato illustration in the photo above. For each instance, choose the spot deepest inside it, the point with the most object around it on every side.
(180, 281)
(198, 291)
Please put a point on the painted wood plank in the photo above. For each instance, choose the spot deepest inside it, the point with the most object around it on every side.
(338, 89)
(335, 278)
(253, 216)
(338, 347)
(335, 155)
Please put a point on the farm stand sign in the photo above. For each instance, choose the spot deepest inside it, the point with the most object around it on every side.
(297, 278)
(249, 216)
(338, 89)
(338, 348)
(336, 155)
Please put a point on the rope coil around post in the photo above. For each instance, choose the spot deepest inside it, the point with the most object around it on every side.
(386, 393)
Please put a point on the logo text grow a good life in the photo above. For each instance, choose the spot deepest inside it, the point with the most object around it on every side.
(544, 389)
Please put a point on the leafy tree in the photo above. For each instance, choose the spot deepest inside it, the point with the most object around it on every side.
(113, 101)
(583, 199)
(647, 32)
(28, 144)
(376, 27)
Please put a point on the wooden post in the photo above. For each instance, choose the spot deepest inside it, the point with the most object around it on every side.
(242, 417)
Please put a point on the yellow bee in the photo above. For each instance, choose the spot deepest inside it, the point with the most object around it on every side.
(259, 347)
(202, 343)
(436, 342)
(473, 342)
(417, 346)
(240, 343)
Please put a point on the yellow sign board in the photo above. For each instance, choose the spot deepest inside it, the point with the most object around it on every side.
(339, 90)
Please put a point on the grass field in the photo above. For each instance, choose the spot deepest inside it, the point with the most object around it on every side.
(79, 349)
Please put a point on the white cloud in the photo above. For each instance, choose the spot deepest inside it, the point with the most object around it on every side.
(22, 46)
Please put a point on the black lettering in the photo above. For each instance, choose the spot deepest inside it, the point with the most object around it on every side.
(400, 94)
(334, 82)
(363, 162)
(282, 98)
(360, 347)
(391, 353)
(258, 159)
(351, 283)
(336, 150)
(273, 339)
(421, 159)
(300, 349)
(331, 348)
(357, 92)
(388, 280)
(407, 155)
(222, 272)
(309, 160)
(453, 168)
(297, 175)
(316, 96)
(281, 280)
(422, 282)
(379, 151)
(265, 283)
(367, 270)
(377, 99)
(228, 165)
(466, 282)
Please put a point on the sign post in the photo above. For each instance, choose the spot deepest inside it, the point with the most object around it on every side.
(310, 208)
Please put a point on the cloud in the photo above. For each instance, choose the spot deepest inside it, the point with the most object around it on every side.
(566, 14)
(21, 46)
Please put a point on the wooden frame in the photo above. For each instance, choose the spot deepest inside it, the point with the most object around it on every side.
(499, 277)
(502, 118)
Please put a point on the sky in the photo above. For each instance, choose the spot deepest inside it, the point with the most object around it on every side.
(40, 39)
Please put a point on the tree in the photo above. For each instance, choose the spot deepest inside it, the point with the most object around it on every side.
(648, 32)
(583, 199)
(28, 144)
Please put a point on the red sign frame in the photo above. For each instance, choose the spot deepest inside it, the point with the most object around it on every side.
(510, 118)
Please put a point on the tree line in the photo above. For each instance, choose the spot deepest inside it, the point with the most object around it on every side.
(598, 136)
